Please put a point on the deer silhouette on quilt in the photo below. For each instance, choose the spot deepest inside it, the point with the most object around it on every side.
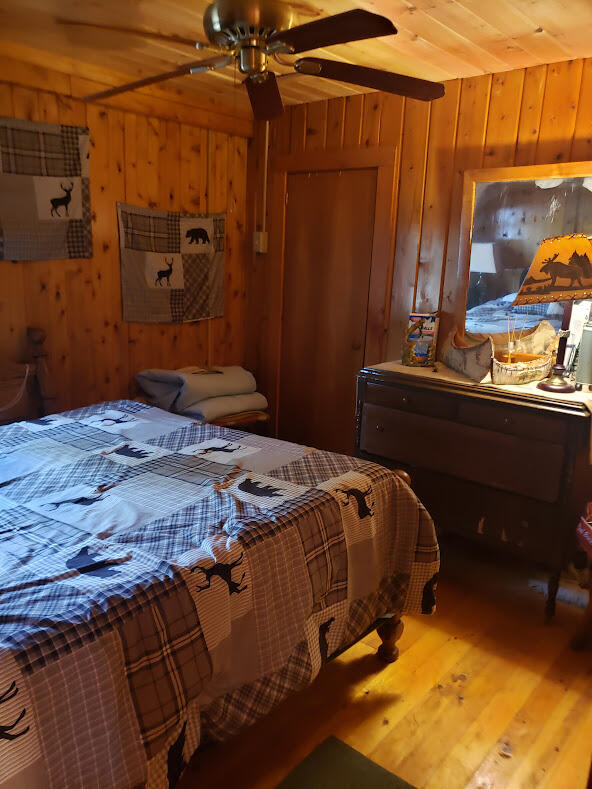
(58, 202)
(360, 497)
(227, 448)
(223, 571)
(165, 273)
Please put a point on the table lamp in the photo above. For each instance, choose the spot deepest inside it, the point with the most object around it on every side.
(560, 271)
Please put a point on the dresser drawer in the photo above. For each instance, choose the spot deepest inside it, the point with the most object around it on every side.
(417, 401)
(492, 458)
(516, 421)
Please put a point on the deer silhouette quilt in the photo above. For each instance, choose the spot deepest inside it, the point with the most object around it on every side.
(44, 191)
(172, 265)
(164, 583)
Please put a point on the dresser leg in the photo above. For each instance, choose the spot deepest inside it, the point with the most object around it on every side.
(552, 588)
(390, 631)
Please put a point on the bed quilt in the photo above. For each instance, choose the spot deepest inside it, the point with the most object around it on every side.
(165, 583)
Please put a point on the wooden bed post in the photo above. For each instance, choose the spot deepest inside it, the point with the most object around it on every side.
(390, 631)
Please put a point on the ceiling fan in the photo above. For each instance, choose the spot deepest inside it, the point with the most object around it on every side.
(249, 32)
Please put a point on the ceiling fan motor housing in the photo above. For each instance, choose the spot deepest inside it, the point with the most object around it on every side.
(234, 24)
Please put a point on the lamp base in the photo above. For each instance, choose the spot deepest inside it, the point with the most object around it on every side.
(556, 381)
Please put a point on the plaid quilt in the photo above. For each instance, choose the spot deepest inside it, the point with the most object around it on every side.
(164, 583)
(44, 191)
(172, 265)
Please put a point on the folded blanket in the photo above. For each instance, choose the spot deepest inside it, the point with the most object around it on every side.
(176, 390)
(214, 407)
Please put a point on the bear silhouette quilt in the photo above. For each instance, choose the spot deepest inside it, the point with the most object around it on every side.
(44, 191)
(172, 265)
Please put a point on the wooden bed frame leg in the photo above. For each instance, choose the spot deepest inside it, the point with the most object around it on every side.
(390, 631)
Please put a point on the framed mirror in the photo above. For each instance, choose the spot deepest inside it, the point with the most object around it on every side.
(506, 213)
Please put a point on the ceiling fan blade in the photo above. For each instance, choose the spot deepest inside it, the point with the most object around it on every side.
(338, 29)
(374, 78)
(151, 34)
(194, 67)
(264, 96)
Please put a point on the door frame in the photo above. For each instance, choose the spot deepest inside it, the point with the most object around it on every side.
(385, 159)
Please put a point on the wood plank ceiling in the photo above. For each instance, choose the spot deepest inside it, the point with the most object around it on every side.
(437, 39)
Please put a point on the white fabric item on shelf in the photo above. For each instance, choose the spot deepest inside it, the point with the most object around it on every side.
(176, 390)
(215, 407)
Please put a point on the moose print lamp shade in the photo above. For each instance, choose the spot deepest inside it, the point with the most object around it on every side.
(561, 271)
(172, 265)
(44, 191)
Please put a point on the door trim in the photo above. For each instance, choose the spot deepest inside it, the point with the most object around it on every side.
(385, 159)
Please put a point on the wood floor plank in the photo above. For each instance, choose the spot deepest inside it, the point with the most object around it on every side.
(483, 677)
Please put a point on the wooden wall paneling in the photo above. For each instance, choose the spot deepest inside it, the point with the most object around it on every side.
(316, 126)
(381, 273)
(373, 104)
(228, 333)
(279, 134)
(67, 320)
(414, 148)
(352, 128)
(178, 100)
(33, 75)
(146, 340)
(117, 333)
(177, 337)
(216, 202)
(529, 123)
(335, 122)
(298, 128)
(562, 91)
(268, 371)
(12, 293)
(436, 204)
(55, 274)
(391, 119)
(258, 272)
(470, 140)
(503, 118)
(581, 149)
(192, 199)
(107, 335)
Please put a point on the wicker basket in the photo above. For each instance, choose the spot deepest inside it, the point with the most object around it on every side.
(524, 368)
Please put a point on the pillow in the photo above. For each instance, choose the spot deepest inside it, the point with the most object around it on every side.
(531, 309)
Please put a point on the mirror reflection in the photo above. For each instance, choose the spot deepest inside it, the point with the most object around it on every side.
(510, 220)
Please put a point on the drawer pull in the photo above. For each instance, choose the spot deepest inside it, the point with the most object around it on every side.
(405, 399)
(507, 420)
(380, 428)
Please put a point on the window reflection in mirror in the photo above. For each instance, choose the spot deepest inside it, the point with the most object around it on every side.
(510, 220)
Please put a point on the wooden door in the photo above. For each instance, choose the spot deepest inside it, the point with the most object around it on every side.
(327, 263)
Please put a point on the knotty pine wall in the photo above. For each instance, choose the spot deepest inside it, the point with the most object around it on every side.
(144, 160)
(527, 116)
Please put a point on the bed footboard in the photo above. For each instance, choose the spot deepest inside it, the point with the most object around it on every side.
(390, 629)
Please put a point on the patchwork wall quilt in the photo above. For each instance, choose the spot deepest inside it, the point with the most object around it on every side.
(164, 583)
(44, 191)
(172, 265)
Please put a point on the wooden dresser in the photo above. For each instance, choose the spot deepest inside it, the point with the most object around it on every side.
(510, 469)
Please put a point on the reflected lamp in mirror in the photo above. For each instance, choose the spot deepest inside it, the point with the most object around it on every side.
(561, 271)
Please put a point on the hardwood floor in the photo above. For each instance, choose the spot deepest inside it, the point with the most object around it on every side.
(484, 695)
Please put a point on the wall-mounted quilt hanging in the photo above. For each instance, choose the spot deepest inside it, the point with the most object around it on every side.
(172, 265)
(44, 191)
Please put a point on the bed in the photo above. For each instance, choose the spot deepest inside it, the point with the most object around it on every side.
(492, 317)
(164, 583)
